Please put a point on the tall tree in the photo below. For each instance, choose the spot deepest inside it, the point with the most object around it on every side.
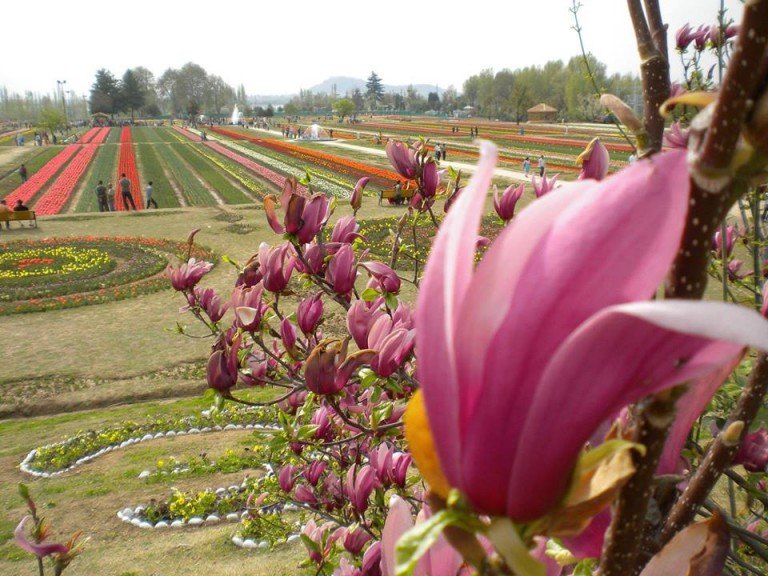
(132, 95)
(344, 107)
(104, 92)
(374, 89)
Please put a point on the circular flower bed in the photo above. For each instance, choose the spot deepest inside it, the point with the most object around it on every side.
(55, 273)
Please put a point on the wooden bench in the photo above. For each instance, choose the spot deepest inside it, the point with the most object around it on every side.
(18, 216)
(390, 195)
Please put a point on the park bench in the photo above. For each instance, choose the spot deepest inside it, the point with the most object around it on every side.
(18, 216)
(389, 194)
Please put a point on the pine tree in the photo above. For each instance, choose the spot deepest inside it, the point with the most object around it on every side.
(374, 88)
(104, 93)
(131, 93)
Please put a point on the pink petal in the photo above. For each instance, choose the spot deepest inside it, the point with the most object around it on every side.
(399, 521)
(618, 356)
(39, 550)
(560, 261)
(443, 288)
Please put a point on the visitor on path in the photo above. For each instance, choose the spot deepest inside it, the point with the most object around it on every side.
(111, 197)
(542, 166)
(437, 152)
(101, 196)
(125, 190)
(527, 166)
(398, 193)
(148, 193)
(20, 207)
(23, 173)
(442, 149)
(4, 208)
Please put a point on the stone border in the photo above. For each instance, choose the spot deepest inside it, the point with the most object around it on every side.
(25, 464)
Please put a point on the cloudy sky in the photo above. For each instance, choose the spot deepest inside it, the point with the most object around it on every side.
(280, 47)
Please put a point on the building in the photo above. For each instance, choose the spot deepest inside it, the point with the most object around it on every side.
(542, 113)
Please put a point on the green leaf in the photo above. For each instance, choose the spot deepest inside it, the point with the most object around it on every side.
(585, 567)
(229, 260)
(370, 294)
(414, 544)
(391, 300)
(505, 538)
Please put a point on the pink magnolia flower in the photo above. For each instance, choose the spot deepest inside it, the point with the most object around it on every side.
(356, 200)
(753, 452)
(505, 207)
(342, 270)
(545, 186)
(594, 161)
(286, 478)
(353, 538)
(304, 217)
(345, 230)
(313, 472)
(188, 274)
(440, 560)
(277, 269)
(495, 377)
(683, 37)
(700, 37)
(392, 343)
(403, 159)
(676, 137)
(386, 278)
(39, 549)
(359, 484)
(360, 317)
(210, 302)
(731, 233)
(430, 179)
(309, 312)
(222, 369)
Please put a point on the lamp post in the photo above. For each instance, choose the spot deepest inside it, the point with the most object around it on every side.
(60, 84)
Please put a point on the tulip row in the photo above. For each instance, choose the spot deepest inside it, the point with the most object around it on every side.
(228, 192)
(60, 191)
(88, 136)
(193, 189)
(31, 187)
(127, 165)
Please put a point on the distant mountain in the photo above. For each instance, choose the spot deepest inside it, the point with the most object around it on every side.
(346, 84)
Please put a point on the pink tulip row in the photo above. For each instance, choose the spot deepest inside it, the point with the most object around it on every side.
(60, 191)
(27, 191)
(266, 173)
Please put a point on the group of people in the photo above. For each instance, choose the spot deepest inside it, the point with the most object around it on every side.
(106, 195)
(542, 165)
(19, 207)
(439, 152)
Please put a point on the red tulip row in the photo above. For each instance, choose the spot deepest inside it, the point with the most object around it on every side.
(265, 173)
(127, 165)
(88, 136)
(101, 136)
(27, 191)
(58, 194)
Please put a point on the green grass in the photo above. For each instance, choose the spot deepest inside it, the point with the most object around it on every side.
(114, 136)
(151, 171)
(211, 174)
(144, 134)
(194, 191)
(9, 184)
(103, 167)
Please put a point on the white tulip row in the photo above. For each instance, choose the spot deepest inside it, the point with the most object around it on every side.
(26, 464)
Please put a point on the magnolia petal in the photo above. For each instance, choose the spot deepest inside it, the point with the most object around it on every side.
(589, 543)
(587, 262)
(398, 522)
(421, 445)
(698, 99)
(620, 355)
(700, 549)
(269, 209)
(443, 288)
(39, 550)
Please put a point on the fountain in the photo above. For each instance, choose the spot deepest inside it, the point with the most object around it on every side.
(316, 132)
(236, 115)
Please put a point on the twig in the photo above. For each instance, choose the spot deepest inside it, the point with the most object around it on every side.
(720, 454)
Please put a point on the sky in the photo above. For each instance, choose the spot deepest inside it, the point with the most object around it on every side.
(281, 47)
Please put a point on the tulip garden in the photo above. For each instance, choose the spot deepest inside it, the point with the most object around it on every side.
(282, 372)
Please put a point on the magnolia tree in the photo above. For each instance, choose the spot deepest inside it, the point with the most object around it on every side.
(543, 411)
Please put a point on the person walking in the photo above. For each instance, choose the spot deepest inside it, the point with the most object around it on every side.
(5, 208)
(111, 197)
(125, 191)
(101, 196)
(23, 173)
(148, 192)
(527, 166)
(542, 166)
